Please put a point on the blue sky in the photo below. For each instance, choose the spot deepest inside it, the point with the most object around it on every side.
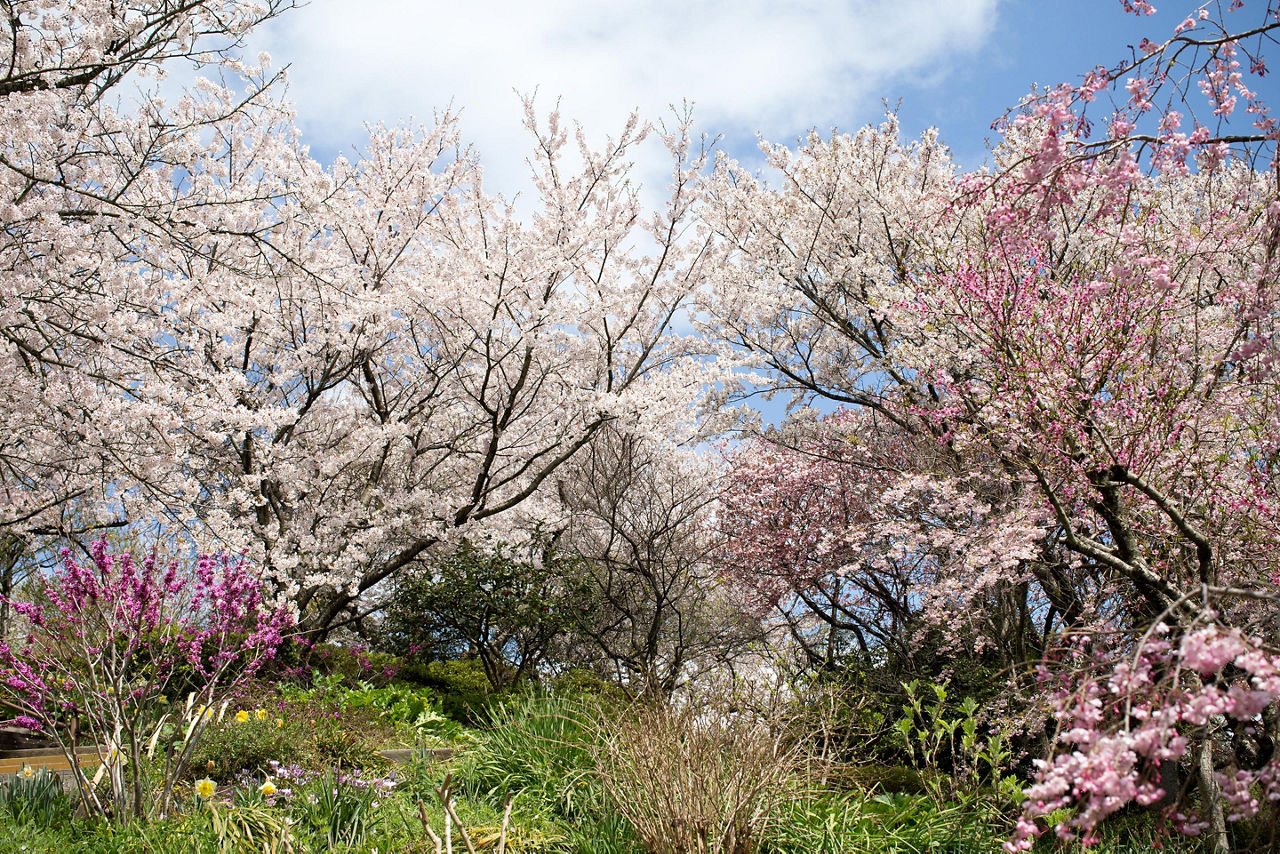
(1046, 42)
(750, 66)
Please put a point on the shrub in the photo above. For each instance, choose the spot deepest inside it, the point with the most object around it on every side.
(230, 746)
(339, 744)
(110, 641)
(580, 682)
(323, 726)
(350, 664)
(462, 687)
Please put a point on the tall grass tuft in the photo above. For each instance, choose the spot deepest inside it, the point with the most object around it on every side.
(542, 751)
(700, 777)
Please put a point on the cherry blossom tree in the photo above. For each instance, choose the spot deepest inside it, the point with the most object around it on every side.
(95, 180)
(860, 537)
(420, 359)
(334, 368)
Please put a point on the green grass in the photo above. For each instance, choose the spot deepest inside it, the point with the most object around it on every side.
(830, 823)
(541, 750)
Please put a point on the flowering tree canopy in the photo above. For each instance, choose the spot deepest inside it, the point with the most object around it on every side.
(333, 368)
(1089, 326)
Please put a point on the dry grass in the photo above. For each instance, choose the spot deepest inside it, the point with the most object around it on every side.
(699, 778)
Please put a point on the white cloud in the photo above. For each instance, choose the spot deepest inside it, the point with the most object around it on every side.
(767, 66)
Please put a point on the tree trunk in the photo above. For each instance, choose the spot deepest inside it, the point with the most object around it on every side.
(1211, 796)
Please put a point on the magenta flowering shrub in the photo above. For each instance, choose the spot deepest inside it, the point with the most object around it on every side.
(134, 658)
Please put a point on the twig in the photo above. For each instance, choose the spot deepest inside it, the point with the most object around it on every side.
(446, 800)
(506, 820)
(426, 824)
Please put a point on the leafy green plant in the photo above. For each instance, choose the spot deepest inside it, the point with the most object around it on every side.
(829, 822)
(608, 835)
(935, 736)
(464, 690)
(333, 810)
(415, 709)
(820, 824)
(34, 797)
(244, 827)
(189, 834)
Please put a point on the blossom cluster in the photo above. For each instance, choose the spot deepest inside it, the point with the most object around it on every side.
(1126, 733)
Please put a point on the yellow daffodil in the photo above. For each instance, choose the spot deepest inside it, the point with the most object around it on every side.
(28, 772)
(261, 714)
(268, 788)
(242, 716)
(205, 788)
